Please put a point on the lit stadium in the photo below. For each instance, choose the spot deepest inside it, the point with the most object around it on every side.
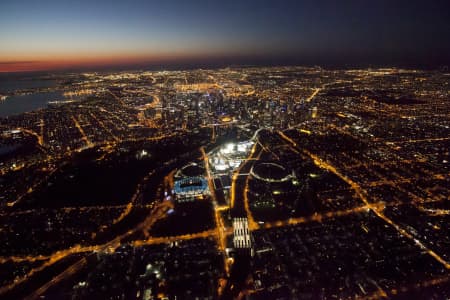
(270, 172)
(189, 182)
(190, 170)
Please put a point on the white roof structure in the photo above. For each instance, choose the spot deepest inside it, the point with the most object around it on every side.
(241, 238)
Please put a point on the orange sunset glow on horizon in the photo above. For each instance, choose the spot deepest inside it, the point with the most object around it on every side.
(69, 63)
(74, 61)
(58, 35)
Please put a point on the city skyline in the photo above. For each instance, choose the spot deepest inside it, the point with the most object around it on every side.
(48, 35)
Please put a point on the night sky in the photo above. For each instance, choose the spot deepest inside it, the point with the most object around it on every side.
(51, 34)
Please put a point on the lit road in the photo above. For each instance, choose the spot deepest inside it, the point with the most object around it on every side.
(107, 147)
(220, 231)
(158, 213)
(170, 239)
(320, 217)
(74, 268)
(134, 198)
(83, 134)
(117, 98)
(316, 91)
(217, 216)
(239, 200)
(403, 289)
(40, 137)
(362, 195)
(106, 128)
(37, 183)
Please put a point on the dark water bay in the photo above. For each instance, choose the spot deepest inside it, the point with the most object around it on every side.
(13, 82)
(18, 104)
(15, 105)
